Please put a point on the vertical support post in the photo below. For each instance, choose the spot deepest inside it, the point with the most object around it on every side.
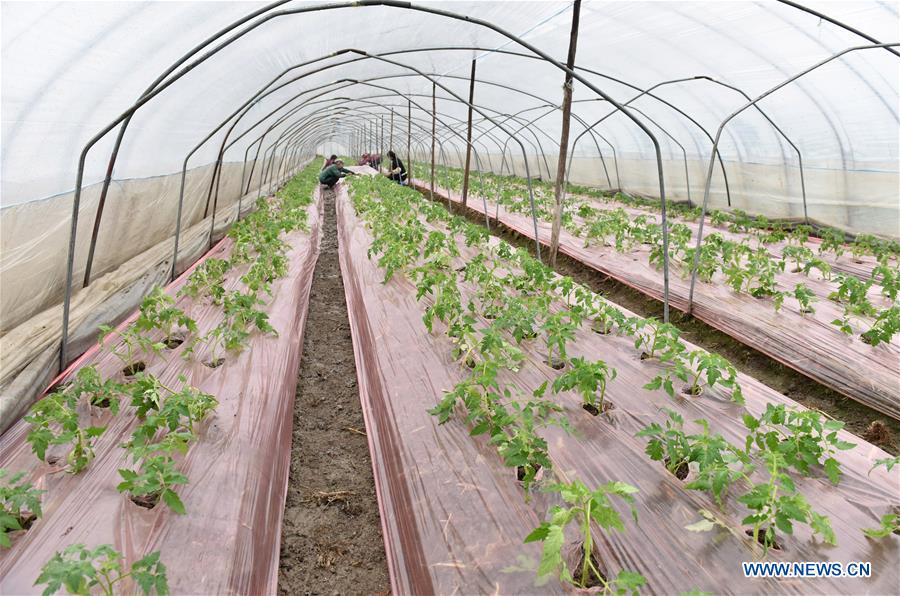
(381, 143)
(465, 188)
(433, 131)
(409, 159)
(391, 137)
(564, 136)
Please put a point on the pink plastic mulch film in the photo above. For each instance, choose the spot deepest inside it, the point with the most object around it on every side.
(229, 539)
(808, 343)
(454, 517)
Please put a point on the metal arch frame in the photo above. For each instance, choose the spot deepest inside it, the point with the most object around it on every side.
(245, 108)
(161, 83)
(387, 3)
(331, 125)
(426, 132)
(715, 145)
(833, 21)
(266, 90)
(314, 101)
(581, 121)
(777, 129)
(647, 92)
(268, 160)
(393, 94)
(750, 104)
(196, 49)
(281, 119)
(480, 112)
(343, 109)
(261, 94)
(687, 176)
(295, 109)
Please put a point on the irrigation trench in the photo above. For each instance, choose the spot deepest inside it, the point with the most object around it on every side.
(331, 538)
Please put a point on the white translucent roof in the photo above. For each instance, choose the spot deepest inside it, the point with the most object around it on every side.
(69, 69)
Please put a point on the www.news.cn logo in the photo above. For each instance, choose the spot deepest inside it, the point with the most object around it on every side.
(807, 569)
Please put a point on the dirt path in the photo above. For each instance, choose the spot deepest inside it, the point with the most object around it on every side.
(331, 539)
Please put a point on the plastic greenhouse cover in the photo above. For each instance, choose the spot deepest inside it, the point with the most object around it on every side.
(70, 68)
(229, 539)
(454, 517)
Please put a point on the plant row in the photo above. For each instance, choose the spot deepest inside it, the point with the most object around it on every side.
(168, 415)
(512, 188)
(746, 269)
(516, 302)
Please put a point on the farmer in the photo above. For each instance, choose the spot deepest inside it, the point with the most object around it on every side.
(330, 175)
(398, 170)
(329, 161)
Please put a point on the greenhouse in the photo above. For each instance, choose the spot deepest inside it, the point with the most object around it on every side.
(450, 297)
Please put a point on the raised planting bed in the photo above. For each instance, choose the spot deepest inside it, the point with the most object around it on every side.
(766, 314)
(179, 423)
(448, 320)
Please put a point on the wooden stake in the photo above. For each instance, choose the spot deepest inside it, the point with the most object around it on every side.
(465, 188)
(433, 131)
(564, 136)
(409, 165)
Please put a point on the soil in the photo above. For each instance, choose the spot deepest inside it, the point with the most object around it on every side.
(556, 363)
(173, 342)
(879, 434)
(681, 472)
(215, 363)
(761, 538)
(146, 501)
(595, 411)
(856, 416)
(692, 390)
(133, 369)
(26, 520)
(331, 539)
(521, 473)
(101, 403)
(592, 579)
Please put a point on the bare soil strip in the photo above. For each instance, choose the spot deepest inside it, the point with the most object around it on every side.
(331, 539)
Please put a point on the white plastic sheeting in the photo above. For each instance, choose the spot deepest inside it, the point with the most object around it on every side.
(72, 68)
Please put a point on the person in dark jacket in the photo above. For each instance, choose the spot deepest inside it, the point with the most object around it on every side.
(398, 170)
(329, 161)
(330, 175)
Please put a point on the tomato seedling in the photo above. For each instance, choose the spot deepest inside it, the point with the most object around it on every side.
(54, 421)
(776, 504)
(81, 570)
(802, 438)
(589, 379)
(20, 502)
(584, 507)
(887, 324)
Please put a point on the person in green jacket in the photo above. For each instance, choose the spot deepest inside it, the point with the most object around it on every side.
(330, 175)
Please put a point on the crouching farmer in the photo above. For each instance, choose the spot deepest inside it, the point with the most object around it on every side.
(330, 175)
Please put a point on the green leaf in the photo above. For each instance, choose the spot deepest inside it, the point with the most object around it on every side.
(833, 470)
(171, 498)
(539, 534)
(551, 557)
